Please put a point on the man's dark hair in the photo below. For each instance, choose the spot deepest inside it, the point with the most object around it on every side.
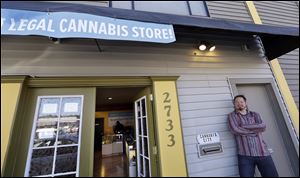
(239, 96)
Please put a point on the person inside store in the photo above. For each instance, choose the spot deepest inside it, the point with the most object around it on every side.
(118, 128)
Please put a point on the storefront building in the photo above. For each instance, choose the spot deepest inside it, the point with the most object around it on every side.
(63, 92)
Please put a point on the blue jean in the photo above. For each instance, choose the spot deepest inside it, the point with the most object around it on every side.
(264, 164)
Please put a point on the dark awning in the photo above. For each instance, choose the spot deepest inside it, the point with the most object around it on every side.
(277, 40)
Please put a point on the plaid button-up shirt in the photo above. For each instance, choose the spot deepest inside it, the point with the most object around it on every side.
(247, 130)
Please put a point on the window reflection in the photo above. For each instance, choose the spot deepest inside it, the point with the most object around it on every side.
(58, 119)
(41, 162)
(45, 134)
(49, 108)
(68, 132)
(71, 107)
(66, 159)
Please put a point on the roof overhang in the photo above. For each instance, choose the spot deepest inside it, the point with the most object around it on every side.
(276, 40)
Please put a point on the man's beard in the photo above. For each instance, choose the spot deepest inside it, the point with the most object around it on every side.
(241, 108)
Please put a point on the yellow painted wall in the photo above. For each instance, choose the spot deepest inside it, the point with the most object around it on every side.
(168, 124)
(107, 129)
(286, 93)
(10, 94)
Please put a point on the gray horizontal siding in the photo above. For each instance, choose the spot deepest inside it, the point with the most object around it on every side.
(290, 67)
(284, 13)
(231, 10)
(203, 92)
(279, 13)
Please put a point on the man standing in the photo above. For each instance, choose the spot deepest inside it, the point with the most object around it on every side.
(118, 128)
(247, 127)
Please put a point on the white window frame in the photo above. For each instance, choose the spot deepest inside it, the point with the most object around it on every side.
(90, 3)
(142, 136)
(55, 146)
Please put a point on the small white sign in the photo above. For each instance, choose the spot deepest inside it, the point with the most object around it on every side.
(71, 107)
(49, 109)
(46, 133)
(208, 138)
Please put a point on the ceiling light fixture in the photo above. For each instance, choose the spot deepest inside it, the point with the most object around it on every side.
(205, 46)
(212, 48)
(202, 47)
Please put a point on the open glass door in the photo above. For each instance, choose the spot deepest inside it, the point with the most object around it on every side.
(142, 138)
(54, 147)
(56, 120)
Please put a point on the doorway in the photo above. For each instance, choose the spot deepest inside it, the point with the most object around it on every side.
(36, 94)
(262, 98)
(123, 149)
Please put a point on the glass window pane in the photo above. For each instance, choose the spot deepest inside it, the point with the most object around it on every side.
(68, 132)
(141, 165)
(49, 108)
(68, 175)
(147, 169)
(145, 126)
(140, 126)
(121, 4)
(45, 134)
(138, 109)
(66, 159)
(168, 7)
(144, 107)
(145, 147)
(141, 145)
(71, 107)
(90, 3)
(41, 162)
(198, 8)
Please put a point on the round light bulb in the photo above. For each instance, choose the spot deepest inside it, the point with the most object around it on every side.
(212, 48)
(202, 47)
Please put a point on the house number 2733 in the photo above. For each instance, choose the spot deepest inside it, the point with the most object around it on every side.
(169, 128)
